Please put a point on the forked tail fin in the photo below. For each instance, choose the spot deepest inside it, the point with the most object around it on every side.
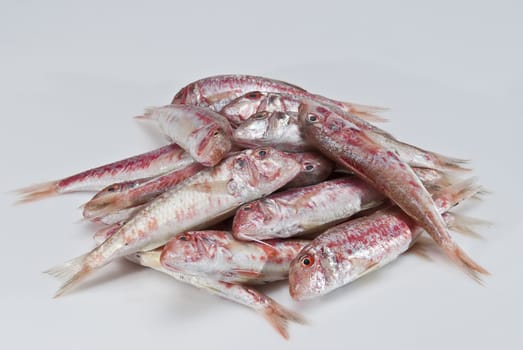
(446, 199)
(37, 192)
(465, 225)
(458, 223)
(279, 317)
(71, 273)
(456, 193)
(418, 157)
(368, 113)
(450, 163)
(473, 269)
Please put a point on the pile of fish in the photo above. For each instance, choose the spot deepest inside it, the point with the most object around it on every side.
(263, 181)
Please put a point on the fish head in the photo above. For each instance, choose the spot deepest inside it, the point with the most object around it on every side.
(241, 108)
(258, 172)
(183, 96)
(252, 131)
(312, 162)
(253, 220)
(307, 277)
(106, 197)
(310, 113)
(316, 118)
(115, 188)
(191, 251)
(319, 269)
(328, 127)
(314, 168)
(213, 144)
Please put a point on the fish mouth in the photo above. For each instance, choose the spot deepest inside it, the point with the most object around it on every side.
(98, 207)
(214, 147)
(289, 160)
(165, 258)
(303, 284)
(295, 287)
(246, 222)
(181, 96)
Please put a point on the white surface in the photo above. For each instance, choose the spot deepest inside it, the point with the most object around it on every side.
(72, 76)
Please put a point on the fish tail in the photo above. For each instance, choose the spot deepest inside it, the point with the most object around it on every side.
(452, 163)
(418, 157)
(445, 200)
(421, 248)
(449, 163)
(432, 159)
(37, 192)
(279, 317)
(473, 269)
(458, 223)
(368, 113)
(481, 193)
(71, 272)
(442, 237)
(464, 224)
(447, 179)
(148, 114)
(436, 180)
(454, 194)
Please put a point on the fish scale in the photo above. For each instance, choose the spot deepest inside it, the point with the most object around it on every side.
(242, 108)
(352, 147)
(218, 255)
(217, 91)
(282, 130)
(277, 315)
(209, 196)
(304, 210)
(145, 165)
(203, 133)
(205, 178)
(354, 248)
(131, 194)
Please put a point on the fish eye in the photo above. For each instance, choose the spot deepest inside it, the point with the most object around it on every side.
(262, 153)
(309, 167)
(216, 133)
(247, 208)
(259, 115)
(184, 238)
(111, 188)
(307, 260)
(312, 118)
(281, 116)
(253, 95)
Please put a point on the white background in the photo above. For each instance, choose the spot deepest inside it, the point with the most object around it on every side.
(73, 75)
